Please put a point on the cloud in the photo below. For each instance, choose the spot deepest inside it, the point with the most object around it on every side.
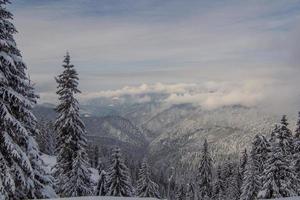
(142, 89)
(125, 42)
(209, 95)
(246, 94)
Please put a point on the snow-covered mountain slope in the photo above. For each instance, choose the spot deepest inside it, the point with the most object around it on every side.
(175, 133)
(116, 131)
(229, 129)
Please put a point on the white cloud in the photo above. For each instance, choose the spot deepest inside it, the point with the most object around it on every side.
(209, 95)
(142, 89)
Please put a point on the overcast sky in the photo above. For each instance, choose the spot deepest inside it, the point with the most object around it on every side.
(117, 43)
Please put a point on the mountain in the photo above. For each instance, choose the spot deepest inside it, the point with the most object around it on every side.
(172, 133)
(181, 131)
(116, 131)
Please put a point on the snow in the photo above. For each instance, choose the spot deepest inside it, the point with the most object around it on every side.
(49, 161)
(290, 198)
(135, 198)
(106, 198)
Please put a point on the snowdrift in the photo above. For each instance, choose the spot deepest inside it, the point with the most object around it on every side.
(105, 198)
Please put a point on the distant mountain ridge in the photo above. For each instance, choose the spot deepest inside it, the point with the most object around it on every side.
(172, 133)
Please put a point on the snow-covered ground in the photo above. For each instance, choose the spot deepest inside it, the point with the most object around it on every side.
(290, 198)
(105, 198)
(133, 198)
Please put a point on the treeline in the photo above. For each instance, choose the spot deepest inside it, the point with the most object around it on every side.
(269, 169)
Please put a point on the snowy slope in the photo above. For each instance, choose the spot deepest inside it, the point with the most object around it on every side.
(124, 198)
(105, 198)
(290, 198)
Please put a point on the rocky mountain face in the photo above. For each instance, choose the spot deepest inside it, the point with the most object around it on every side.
(172, 133)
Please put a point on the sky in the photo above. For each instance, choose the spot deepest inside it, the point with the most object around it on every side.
(245, 52)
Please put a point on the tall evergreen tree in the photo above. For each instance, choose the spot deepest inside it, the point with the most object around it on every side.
(190, 191)
(71, 171)
(297, 131)
(251, 181)
(259, 152)
(204, 177)
(279, 176)
(101, 186)
(285, 137)
(145, 186)
(297, 148)
(180, 193)
(22, 173)
(231, 177)
(243, 162)
(242, 169)
(219, 190)
(118, 180)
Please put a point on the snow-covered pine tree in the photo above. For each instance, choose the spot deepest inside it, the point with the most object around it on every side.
(118, 180)
(297, 131)
(243, 162)
(96, 156)
(204, 176)
(22, 173)
(230, 176)
(71, 171)
(259, 152)
(297, 148)
(279, 176)
(219, 191)
(251, 181)
(190, 192)
(80, 182)
(180, 193)
(242, 169)
(101, 186)
(285, 137)
(145, 186)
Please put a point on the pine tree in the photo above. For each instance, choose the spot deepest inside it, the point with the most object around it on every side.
(204, 177)
(243, 162)
(118, 180)
(230, 175)
(279, 176)
(190, 192)
(285, 137)
(180, 193)
(22, 173)
(259, 152)
(297, 148)
(145, 186)
(251, 181)
(96, 156)
(297, 131)
(101, 186)
(242, 169)
(71, 171)
(219, 190)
